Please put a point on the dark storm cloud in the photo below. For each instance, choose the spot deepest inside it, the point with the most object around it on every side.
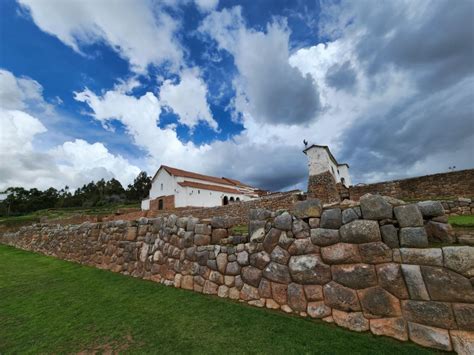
(341, 77)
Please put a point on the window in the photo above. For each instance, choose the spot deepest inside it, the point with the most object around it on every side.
(160, 204)
(225, 201)
(232, 199)
(237, 199)
(161, 187)
(199, 192)
(338, 171)
(332, 170)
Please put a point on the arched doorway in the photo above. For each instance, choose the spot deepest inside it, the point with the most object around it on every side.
(231, 199)
(237, 199)
(225, 201)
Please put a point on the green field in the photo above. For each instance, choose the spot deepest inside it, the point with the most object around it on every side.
(53, 306)
(461, 221)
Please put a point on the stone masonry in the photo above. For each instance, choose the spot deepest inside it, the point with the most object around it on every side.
(366, 268)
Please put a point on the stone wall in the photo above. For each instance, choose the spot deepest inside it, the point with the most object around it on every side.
(324, 187)
(365, 268)
(452, 184)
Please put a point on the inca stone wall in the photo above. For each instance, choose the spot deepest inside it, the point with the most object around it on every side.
(324, 187)
(366, 267)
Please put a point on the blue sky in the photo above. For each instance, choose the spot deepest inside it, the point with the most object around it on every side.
(101, 89)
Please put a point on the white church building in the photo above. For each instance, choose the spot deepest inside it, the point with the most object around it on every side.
(174, 188)
(320, 160)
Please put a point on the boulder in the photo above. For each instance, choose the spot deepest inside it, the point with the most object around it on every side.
(408, 216)
(280, 293)
(391, 327)
(460, 259)
(300, 229)
(243, 258)
(280, 255)
(431, 209)
(249, 292)
(360, 231)
(440, 232)
(340, 297)
(446, 285)
(463, 342)
(375, 253)
(313, 292)
(429, 336)
(375, 207)
(218, 234)
(307, 209)
(318, 310)
(201, 228)
(271, 239)
(260, 259)
(390, 235)
(191, 224)
(259, 214)
(414, 237)
(349, 215)
(202, 239)
(265, 288)
(277, 273)
(256, 231)
(377, 303)
(309, 269)
(354, 320)
(429, 256)
(436, 314)
(221, 260)
(331, 218)
(210, 288)
(251, 275)
(283, 222)
(303, 246)
(464, 314)
(222, 222)
(391, 279)
(414, 281)
(233, 268)
(341, 253)
(324, 237)
(355, 276)
(296, 297)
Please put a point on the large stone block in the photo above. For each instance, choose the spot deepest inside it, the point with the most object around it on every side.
(260, 259)
(249, 292)
(408, 216)
(280, 255)
(436, 314)
(210, 288)
(300, 229)
(377, 303)
(414, 237)
(324, 237)
(202, 239)
(283, 221)
(414, 281)
(222, 222)
(391, 327)
(307, 209)
(271, 239)
(464, 314)
(259, 214)
(202, 228)
(302, 246)
(256, 231)
(375, 253)
(341, 253)
(360, 231)
(313, 292)
(460, 259)
(431, 208)
(463, 342)
(390, 235)
(265, 288)
(233, 268)
(277, 273)
(349, 215)
(390, 278)
(375, 207)
(446, 285)
(318, 310)
(309, 269)
(296, 297)
(331, 218)
(355, 276)
(429, 256)
(251, 275)
(280, 293)
(340, 297)
(221, 260)
(354, 321)
(441, 232)
(430, 337)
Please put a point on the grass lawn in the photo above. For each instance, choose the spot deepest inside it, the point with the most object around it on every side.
(53, 306)
(461, 221)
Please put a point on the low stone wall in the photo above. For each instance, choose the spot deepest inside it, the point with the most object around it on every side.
(365, 268)
(459, 207)
(452, 184)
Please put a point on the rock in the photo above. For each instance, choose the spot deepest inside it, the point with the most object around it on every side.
(391, 327)
(221, 260)
(341, 253)
(271, 239)
(440, 219)
(331, 219)
(256, 231)
(234, 293)
(360, 231)
(375, 207)
(233, 268)
(260, 259)
(285, 308)
(300, 229)
(349, 215)
(223, 291)
(390, 235)
(280, 255)
(309, 269)
(408, 216)
(191, 224)
(218, 234)
(277, 273)
(251, 275)
(243, 258)
(257, 303)
(340, 297)
(296, 297)
(431, 208)
(466, 239)
(394, 201)
(222, 222)
(259, 214)
(285, 241)
(303, 246)
(283, 221)
(203, 229)
(375, 253)
(464, 315)
(376, 303)
(131, 233)
(437, 314)
(314, 222)
(429, 336)
(229, 280)
(390, 278)
(429, 256)
(271, 304)
(414, 281)
(280, 293)
(307, 209)
(202, 239)
(446, 285)
(187, 282)
(318, 310)
(355, 276)
(414, 237)
(324, 237)
(265, 288)
(354, 320)
(313, 292)
(216, 277)
(440, 232)
(248, 293)
(463, 342)
(210, 288)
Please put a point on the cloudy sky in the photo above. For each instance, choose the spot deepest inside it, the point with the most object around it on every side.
(94, 89)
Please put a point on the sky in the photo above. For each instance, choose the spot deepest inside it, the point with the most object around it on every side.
(93, 89)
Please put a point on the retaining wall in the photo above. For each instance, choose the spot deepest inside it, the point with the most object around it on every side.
(366, 268)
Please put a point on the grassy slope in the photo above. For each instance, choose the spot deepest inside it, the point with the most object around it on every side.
(461, 221)
(49, 305)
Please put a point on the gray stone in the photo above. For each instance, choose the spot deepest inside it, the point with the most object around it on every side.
(233, 268)
(408, 216)
(429, 256)
(303, 246)
(299, 228)
(437, 314)
(341, 253)
(415, 237)
(446, 285)
(271, 239)
(324, 237)
(251, 275)
(441, 232)
(340, 297)
(243, 258)
(331, 219)
(280, 255)
(429, 336)
(259, 214)
(349, 215)
(306, 209)
(222, 222)
(375, 253)
(414, 281)
(283, 221)
(318, 310)
(391, 278)
(277, 273)
(375, 207)
(376, 303)
(256, 231)
(431, 208)
(203, 229)
(464, 314)
(460, 259)
(296, 297)
(355, 276)
(260, 259)
(309, 269)
(360, 231)
(390, 235)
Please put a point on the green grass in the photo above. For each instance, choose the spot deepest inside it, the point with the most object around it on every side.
(240, 229)
(53, 306)
(461, 221)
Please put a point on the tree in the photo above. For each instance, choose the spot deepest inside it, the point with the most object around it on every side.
(140, 188)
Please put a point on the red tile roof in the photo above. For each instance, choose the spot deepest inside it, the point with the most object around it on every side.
(189, 174)
(198, 185)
